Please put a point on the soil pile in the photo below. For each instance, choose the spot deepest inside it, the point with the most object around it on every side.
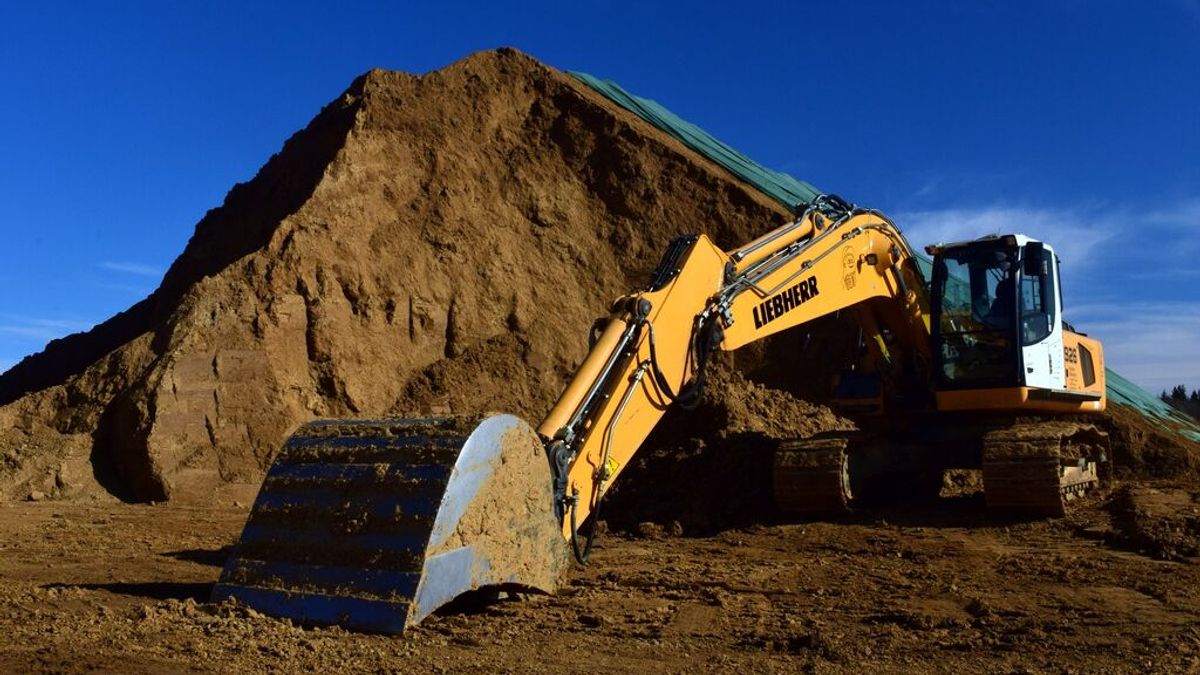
(438, 242)
(709, 469)
(1162, 520)
(1147, 447)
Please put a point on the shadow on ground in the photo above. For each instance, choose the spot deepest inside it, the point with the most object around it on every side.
(203, 556)
(152, 590)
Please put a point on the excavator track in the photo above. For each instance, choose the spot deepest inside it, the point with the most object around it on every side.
(811, 476)
(361, 522)
(1035, 469)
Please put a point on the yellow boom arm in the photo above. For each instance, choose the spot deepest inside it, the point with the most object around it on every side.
(653, 348)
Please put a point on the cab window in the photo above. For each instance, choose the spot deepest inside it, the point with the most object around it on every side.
(975, 301)
(1037, 297)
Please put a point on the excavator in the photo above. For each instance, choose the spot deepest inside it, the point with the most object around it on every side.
(375, 524)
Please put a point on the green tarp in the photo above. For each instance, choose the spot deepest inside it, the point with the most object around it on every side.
(780, 186)
(790, 192)
(1121, 390)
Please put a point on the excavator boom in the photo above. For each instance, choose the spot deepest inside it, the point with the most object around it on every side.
(656, 342)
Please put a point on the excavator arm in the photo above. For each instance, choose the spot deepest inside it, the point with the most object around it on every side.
(655, 344)
(374, 524)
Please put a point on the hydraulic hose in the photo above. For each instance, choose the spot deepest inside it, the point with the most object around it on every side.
(688, 398)
(582, 554)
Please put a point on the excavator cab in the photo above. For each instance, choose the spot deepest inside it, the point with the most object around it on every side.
(997, 331)
(1000, 345)
(974, 316)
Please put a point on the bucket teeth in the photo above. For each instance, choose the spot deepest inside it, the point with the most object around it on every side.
(373, 524)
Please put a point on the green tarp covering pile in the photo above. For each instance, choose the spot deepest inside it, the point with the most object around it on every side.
(790, 192)
(1121, 390)
(779, 186)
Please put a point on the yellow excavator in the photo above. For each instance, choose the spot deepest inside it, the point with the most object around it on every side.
(374, 524)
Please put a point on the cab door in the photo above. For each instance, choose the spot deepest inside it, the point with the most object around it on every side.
(1040, 318)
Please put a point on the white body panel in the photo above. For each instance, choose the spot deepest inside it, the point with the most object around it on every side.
(1043, 361)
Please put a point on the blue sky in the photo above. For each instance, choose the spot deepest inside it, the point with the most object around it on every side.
(1074, 121)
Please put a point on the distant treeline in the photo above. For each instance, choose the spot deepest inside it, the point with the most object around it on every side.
(1179, 399)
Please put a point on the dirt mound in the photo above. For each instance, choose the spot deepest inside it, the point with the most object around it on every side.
(709, 469)
(441, 241)
(1163, 521)
(1145, 447)
(437, 243)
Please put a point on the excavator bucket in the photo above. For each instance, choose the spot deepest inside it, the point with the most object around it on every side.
(374, 524)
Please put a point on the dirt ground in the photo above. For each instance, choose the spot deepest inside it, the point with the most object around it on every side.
(106, 586)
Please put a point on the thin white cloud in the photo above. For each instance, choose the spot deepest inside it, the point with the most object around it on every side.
(135, 290)
(40, 322)
(30, 331)
(1179, 224)
(1189, 7)
(44, 329)
(132, 268)
(1074, 233)
(1163, 274)
(1155, 344)
(1185, 213)
(928, 188)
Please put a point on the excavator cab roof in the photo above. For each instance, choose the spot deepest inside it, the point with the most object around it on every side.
(1008, 240)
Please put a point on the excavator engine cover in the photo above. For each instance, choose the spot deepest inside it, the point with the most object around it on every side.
(374, 524)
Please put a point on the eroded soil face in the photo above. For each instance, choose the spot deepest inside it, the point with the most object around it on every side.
(437, 243)
(109, 586)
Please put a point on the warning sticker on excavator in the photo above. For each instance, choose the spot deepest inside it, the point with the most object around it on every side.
(849, 261)
(610, 467)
